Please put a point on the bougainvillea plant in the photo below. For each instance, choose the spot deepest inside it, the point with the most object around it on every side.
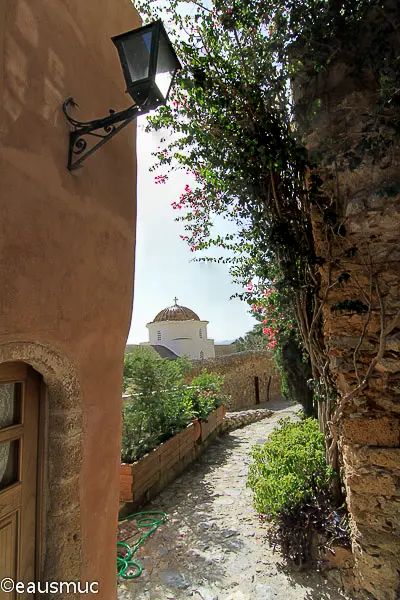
(231, 126)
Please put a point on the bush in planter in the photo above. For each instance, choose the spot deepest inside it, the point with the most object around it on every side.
(159, 405)
(206, 394)
(290, 480)
(145, 371)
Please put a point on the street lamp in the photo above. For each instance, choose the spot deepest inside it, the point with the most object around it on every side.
(149, 64)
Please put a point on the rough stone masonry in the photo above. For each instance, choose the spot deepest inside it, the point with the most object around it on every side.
(363, 346)
(243, 372)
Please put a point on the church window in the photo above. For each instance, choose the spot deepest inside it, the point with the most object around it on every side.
(200, 333)
(201, 354)
(159, 336)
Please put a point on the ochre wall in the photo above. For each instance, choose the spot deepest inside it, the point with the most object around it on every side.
(67, 260)
(239, 370)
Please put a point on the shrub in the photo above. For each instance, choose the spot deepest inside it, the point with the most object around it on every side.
(290, 468)
(207, 395)
(160, 404)
(146, 372)
(290, 480)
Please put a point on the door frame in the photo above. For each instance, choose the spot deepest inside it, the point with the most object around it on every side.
(41, 486)
(32, 381)
(61, 418)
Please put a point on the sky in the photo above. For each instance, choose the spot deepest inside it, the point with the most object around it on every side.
(164, 263)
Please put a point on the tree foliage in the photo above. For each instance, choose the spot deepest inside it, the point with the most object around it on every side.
(252, 340)
(234, 126)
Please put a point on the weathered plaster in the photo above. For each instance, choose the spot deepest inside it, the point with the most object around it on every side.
(67, 260)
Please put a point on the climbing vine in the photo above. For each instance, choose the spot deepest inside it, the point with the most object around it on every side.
(235, 126)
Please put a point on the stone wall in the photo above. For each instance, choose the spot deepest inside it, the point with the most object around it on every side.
(240, 371)
(241, 418)
(146, 478)
(361, 257)
(369, 425)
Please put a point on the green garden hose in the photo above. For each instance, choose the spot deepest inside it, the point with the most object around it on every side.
(124, 563)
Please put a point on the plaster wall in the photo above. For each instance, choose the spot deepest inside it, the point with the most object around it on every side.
(67, 261)
(182, 337)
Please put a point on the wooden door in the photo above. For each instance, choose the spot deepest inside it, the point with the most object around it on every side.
(257, 389)
(19, 422)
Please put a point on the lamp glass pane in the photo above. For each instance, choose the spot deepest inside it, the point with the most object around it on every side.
(137, 54)
(166, 66)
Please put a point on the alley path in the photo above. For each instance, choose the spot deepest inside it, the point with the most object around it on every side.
(213, 546)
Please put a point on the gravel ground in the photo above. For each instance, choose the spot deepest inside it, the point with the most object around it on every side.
(212, 546)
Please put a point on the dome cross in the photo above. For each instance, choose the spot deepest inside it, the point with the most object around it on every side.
(176, 301)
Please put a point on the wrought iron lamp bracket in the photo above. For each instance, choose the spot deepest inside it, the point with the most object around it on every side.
(104, 128)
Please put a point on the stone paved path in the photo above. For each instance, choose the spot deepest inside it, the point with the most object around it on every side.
(213, 546)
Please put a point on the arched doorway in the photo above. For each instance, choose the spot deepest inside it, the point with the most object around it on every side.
(59, 523)
(19, 438)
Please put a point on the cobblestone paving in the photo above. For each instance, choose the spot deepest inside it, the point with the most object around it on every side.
(213, 546)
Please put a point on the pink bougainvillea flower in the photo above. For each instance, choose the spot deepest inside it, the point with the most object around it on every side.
(249, 286)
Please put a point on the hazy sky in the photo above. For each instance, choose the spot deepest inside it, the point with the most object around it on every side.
(164, 267)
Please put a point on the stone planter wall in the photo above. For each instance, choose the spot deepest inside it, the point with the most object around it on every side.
(144, 479)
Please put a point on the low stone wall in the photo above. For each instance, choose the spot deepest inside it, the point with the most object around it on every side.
(235, 420)
(241, 371)
(144, 479)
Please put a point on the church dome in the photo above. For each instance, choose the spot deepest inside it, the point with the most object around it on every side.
(176, 313)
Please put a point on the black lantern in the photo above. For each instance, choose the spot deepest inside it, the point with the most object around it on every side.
(149, 64)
